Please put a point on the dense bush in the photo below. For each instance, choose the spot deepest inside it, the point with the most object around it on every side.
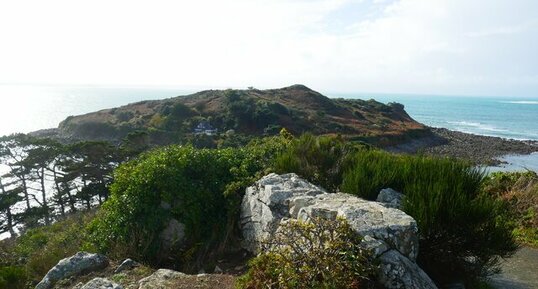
(520, 191)
(318, 254)
(462, 231)
(201, 188)
(321, 160)
(12, 277)
(371, 171)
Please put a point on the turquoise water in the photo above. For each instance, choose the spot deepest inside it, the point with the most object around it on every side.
(514, 163)
(29, 108)
(507, 117)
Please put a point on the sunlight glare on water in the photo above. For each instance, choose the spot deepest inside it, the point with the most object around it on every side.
(26, 108)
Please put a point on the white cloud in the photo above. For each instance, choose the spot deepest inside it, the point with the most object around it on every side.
(431, 46)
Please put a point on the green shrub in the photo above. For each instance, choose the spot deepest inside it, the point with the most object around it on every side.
(462, 231)
(318, 254)
(202, 188)
(520, 191)
(12, 277)
(371, 171)
(321, 160)
(191, 181)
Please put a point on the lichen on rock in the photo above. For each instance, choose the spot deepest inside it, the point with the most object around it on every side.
(390, 233)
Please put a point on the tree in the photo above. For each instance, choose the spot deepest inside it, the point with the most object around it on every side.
(134, 144)
(8, 198)
(13, 151)
(94, 163)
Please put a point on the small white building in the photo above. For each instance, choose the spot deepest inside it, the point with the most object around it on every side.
(205, 128)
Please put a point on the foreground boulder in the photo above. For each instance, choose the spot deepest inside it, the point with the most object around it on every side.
(79, 263)
(390, 233)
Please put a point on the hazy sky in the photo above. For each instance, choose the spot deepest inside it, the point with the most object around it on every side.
(485, 47)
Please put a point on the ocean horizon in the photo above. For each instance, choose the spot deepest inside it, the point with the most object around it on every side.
(498, 116)
(35, 107)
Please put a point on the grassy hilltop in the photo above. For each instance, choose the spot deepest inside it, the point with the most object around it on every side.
(249, 112)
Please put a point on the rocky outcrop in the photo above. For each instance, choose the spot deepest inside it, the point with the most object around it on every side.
(390, 233)
(79, 263)
(101, 283)
(270, 200)
(390, 198)
(127, 264)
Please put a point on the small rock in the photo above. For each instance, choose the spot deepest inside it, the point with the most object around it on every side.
(79, 263)
(239, 268)
(127, 264)
(390, 198)
(101, 283)
(218, 270)
(173, 234)
(160, 279)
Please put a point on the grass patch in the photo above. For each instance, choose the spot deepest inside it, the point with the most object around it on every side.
(520, 191)
(37, 250)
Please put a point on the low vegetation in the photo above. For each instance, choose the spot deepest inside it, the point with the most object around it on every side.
(315, 255)
(463, 216)
(200, 187)
(25, 261)
(520, 191)
(464, 232)
(322, 160)
(251, 113)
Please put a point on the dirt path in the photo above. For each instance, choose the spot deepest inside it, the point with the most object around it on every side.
(519, 272)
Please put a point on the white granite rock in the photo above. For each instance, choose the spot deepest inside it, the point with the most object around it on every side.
(79, 263)
(390, 233)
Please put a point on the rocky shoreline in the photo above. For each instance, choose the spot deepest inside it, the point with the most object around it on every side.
(479, 149)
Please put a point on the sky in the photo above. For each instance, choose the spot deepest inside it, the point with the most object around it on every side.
(455, 47)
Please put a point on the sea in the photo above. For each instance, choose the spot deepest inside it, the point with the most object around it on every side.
(26, 108)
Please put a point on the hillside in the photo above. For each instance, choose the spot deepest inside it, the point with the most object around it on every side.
(249, 112)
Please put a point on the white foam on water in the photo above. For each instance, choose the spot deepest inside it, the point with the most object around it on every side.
(521, 102)
(478, 125)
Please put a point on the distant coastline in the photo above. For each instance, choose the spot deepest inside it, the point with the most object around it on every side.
(481, 150)
(459, 128)
(508, 117)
